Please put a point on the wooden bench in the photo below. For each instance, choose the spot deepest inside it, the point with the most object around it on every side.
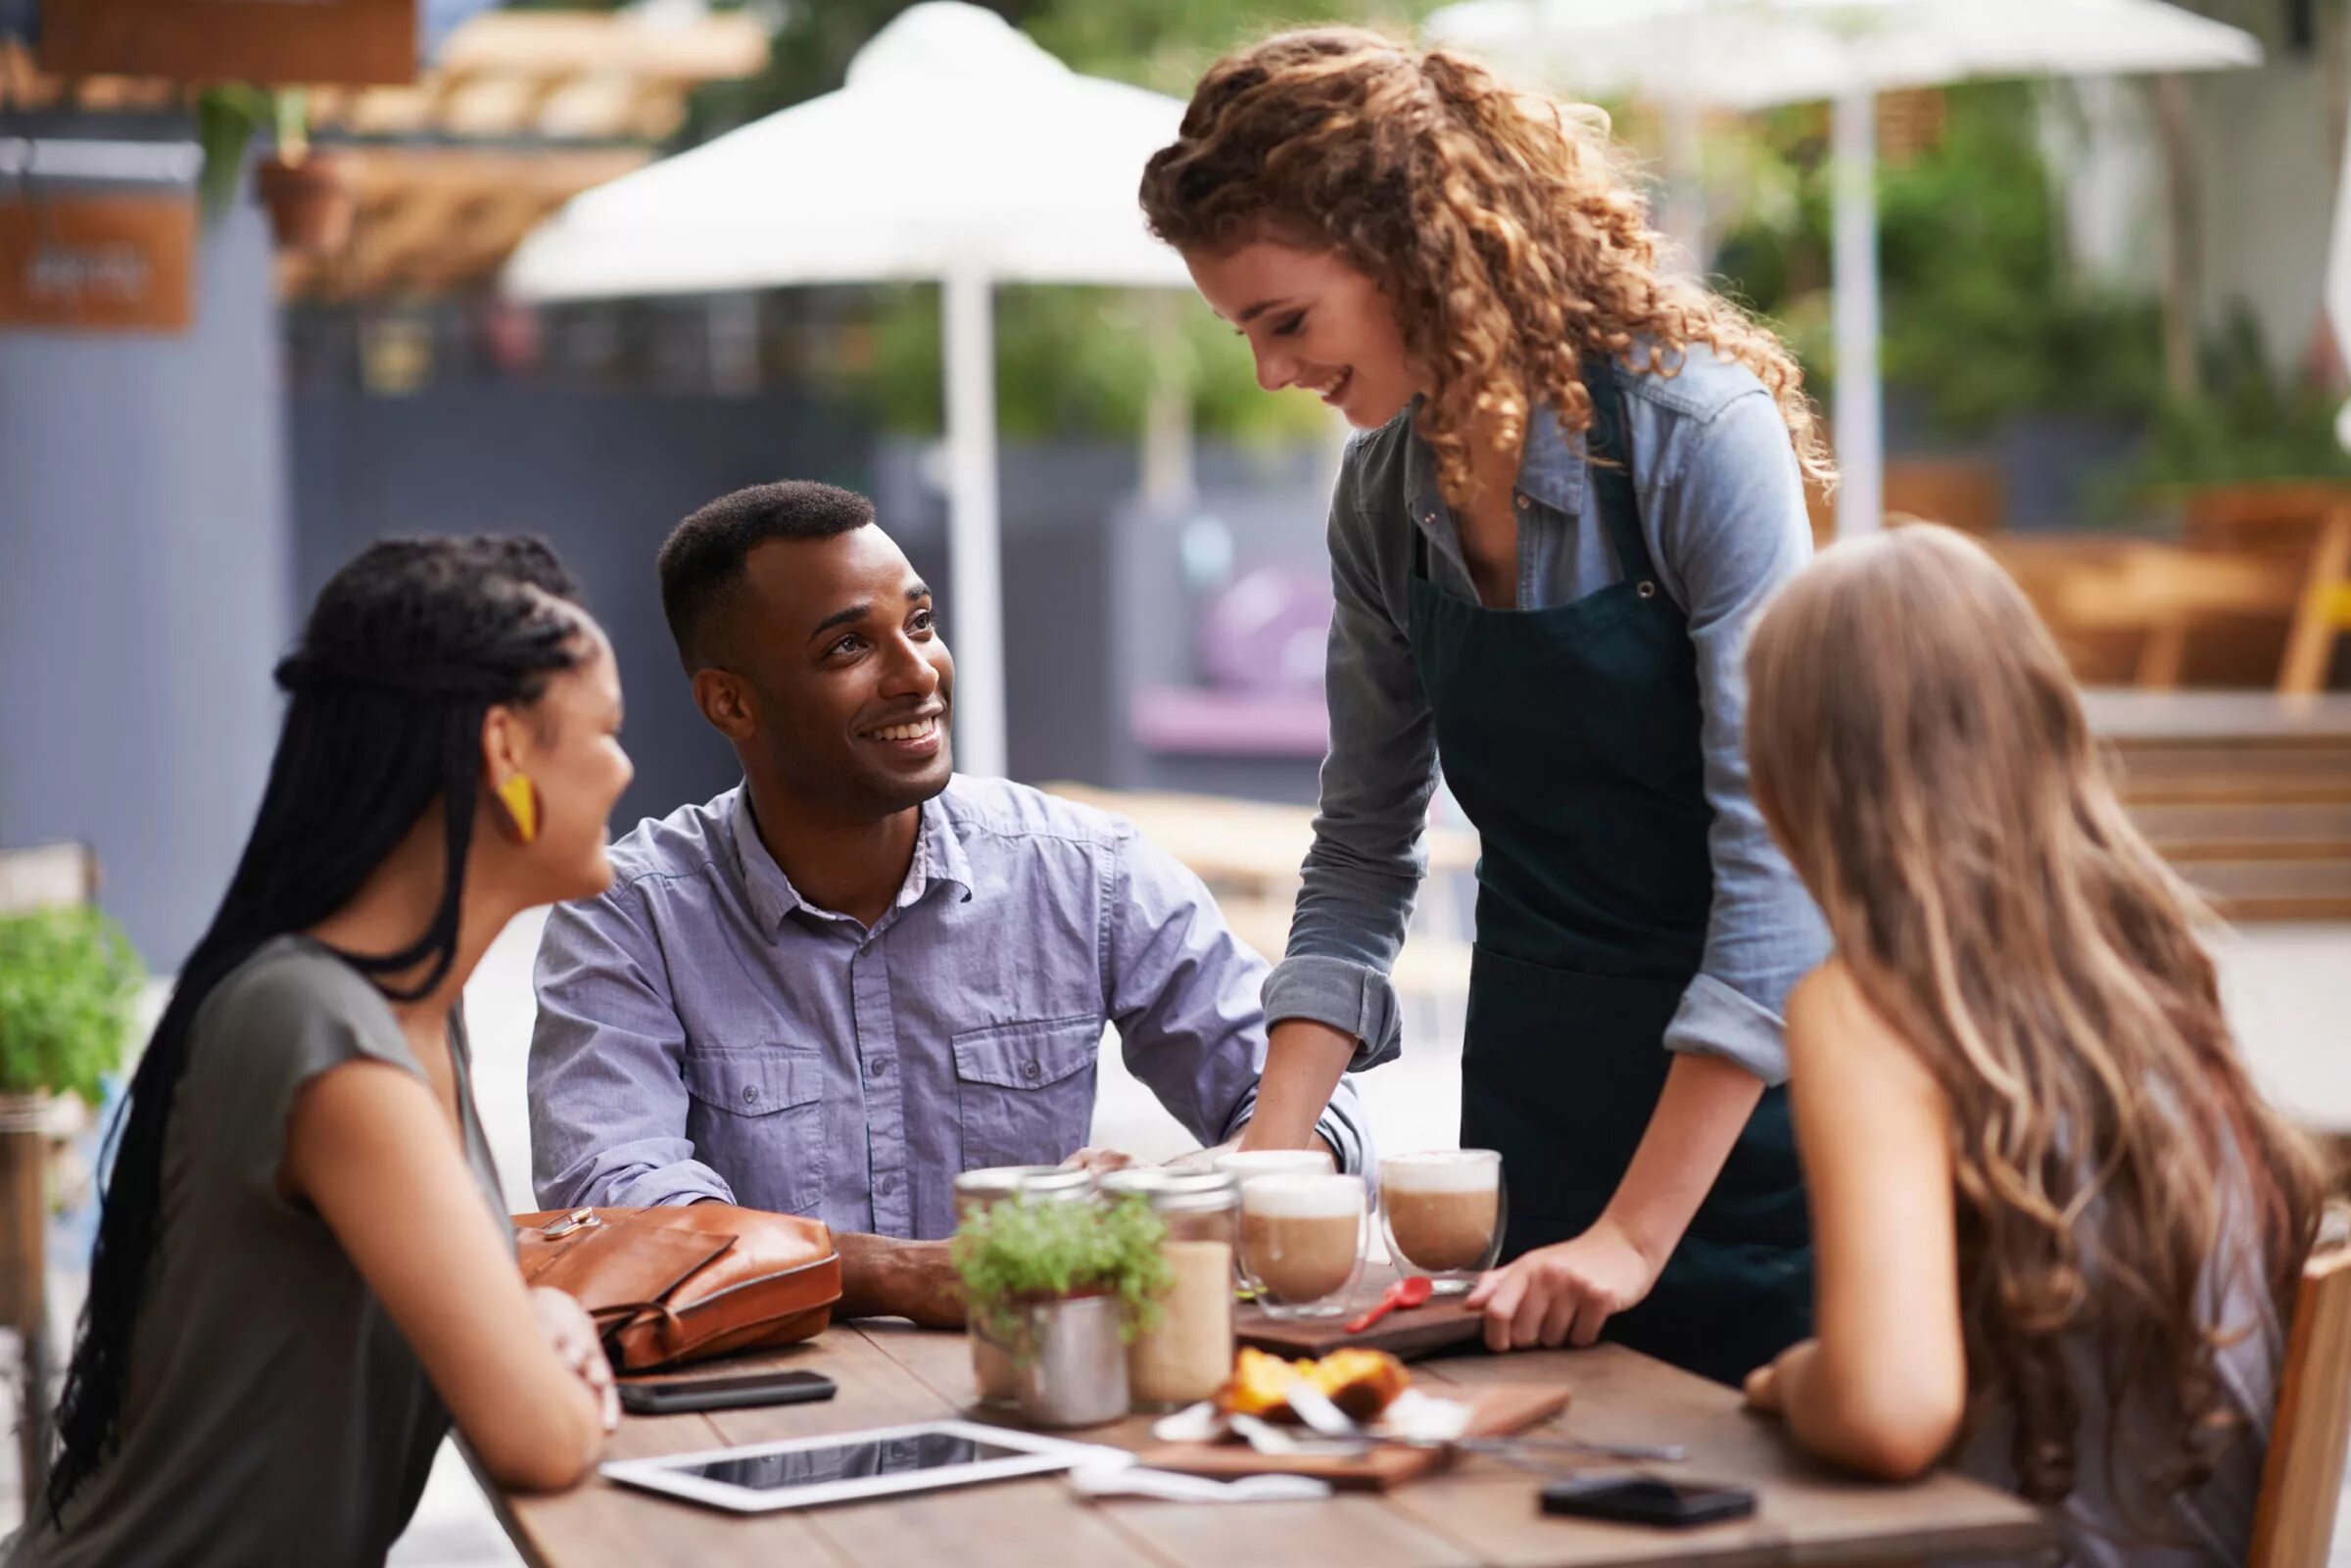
(2246, 793)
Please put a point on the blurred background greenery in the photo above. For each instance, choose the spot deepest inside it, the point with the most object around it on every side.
(1988, 319)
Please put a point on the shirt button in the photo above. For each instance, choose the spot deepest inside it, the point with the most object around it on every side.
(750, 1094)
(1030, 1070)
(1522, 504)
(877, 1069)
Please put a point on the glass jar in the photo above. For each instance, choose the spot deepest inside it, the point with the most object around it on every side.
(992, 1367)
(1188, 1357)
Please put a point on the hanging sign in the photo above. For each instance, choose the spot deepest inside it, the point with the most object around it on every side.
(102, 264)
(296, 41)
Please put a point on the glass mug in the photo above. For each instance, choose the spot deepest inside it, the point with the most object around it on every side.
(1443, 1214)
(1243, 1164)
(1302, 1242)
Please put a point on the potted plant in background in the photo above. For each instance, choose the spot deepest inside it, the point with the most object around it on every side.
(70, 985)
(70, 988)
(1064, 1286)
(307, 192)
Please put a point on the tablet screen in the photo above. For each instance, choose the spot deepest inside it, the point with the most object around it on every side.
(848, 1462)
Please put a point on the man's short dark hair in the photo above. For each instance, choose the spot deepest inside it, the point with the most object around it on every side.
(702, 560)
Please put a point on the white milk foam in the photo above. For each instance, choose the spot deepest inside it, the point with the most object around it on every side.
(1439, 1172)
(1303, 1197)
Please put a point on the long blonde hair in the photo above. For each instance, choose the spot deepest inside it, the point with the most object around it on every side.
(1919, 749)
(1502, 228)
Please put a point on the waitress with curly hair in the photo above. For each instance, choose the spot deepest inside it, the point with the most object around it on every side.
(1574, 481)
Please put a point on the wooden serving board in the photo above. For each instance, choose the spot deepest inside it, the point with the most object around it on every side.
(1495, 1412)
(1443, 1324)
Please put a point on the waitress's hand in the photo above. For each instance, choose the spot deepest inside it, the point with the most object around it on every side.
(1562, 1294)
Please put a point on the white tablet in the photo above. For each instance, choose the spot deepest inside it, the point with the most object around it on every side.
(846, 1466)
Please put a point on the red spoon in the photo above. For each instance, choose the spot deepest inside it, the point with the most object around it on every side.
(1409, 1292)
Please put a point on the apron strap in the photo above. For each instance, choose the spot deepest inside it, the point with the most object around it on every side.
(1611, 465)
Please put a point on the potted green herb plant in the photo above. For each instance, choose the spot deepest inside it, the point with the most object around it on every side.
(1064, 1286)
(307, 191)
(69, 984)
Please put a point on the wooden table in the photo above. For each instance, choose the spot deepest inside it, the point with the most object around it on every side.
(1481, 1513)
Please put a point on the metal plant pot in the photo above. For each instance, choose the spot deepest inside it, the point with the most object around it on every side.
(1075, 1371)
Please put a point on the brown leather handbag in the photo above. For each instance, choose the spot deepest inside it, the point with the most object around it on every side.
(682, 1284)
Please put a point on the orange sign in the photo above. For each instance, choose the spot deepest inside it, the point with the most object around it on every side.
(119, 263)
(296, 41)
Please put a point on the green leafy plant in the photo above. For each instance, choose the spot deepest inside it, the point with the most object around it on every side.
(1984, 315)
(70, 985)
(227, 117)
(1021, 1254)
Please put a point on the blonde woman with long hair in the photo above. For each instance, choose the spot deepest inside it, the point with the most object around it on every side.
(1575, 479)
(2057, 1229)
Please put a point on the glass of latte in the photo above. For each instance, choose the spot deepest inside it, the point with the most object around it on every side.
(1243, 1164)
(1443, 1214)
(1302, 1242)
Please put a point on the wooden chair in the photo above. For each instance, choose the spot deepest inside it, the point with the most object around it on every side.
(2301, 1484)
(2325, 612)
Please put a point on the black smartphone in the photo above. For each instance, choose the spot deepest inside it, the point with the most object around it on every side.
(1647, 1500)
(669, 1395)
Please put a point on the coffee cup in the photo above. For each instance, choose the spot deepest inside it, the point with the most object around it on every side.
(1243, 1164)
(1443, 1214)
(1302, 1242)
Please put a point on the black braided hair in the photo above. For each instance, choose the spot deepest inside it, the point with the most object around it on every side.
(405, 653)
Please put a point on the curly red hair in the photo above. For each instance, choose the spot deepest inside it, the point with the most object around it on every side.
(1504, 227)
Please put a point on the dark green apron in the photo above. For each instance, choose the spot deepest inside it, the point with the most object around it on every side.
(1570, 737)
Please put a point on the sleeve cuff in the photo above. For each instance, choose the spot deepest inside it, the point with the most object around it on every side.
(1717, 1019)
(683, 1183)
(1341, 1125)
(1352, 998)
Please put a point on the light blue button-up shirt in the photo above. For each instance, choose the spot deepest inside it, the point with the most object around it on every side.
(1722, 513)
(705, 1032)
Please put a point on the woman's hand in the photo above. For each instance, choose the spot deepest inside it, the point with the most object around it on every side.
(1763, 1388)
(1562, 1294)
(571, 1333)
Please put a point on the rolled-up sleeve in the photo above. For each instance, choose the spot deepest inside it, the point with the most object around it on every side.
(1185, 996)
(1731, 528)
(608, 1091)
(1356, 888)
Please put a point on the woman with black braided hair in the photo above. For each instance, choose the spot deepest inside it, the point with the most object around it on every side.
(303, 1271)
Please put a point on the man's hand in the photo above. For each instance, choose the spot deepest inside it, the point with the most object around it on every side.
(1100, 1161)
(1562, 1294)
(882, 1276)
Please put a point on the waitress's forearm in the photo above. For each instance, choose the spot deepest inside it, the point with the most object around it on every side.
(1704, 1107)
(1304, 1063)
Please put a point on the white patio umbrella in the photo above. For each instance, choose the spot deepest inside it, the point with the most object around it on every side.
(958, 152)
(2339, 282)
(1685, 55)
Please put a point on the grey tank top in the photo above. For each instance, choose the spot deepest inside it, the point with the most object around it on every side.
(2212, 1526)
(273, 1414)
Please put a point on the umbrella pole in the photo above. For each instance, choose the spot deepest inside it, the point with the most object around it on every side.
(1853, 283)
(1685, 190)
(975, 620)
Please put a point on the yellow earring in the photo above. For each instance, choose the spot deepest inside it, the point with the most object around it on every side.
(520, 797)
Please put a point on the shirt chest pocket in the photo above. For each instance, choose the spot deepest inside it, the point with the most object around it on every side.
(758, 1119)
(1025, 1092)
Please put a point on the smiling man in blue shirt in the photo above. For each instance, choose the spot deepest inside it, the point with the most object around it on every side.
(840, 984)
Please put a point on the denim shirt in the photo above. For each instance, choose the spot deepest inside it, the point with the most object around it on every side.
(705, 1032)
(1722, 511)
